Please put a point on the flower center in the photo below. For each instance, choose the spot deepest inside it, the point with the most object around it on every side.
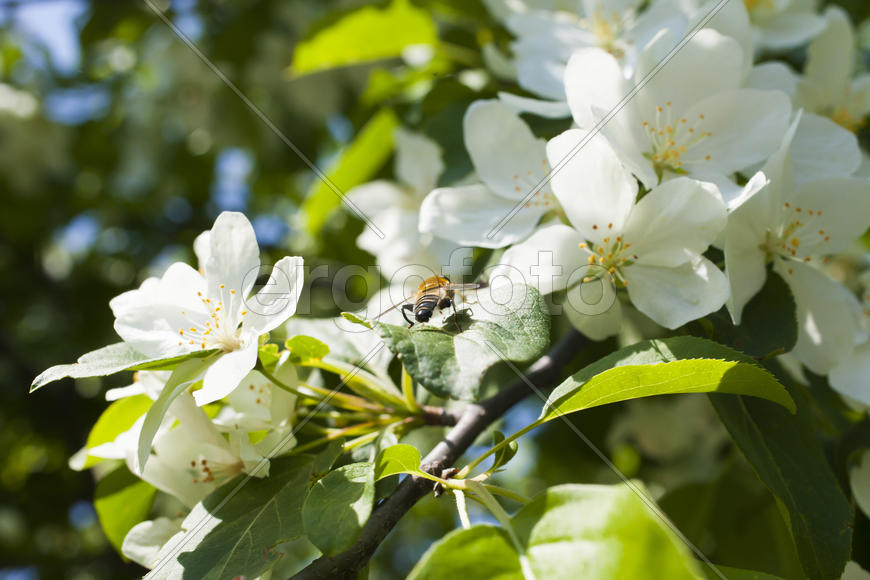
(760, 8)
(608, 28)
(844, 118)
(529, 181)
(797, 230)
(215, 330)
(611, 255)
(201, 471)
(672, 138)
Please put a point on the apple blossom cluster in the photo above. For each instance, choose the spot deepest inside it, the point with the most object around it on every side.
(693, 164)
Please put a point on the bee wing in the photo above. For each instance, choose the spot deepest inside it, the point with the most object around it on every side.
(394, 306)
(471, 286)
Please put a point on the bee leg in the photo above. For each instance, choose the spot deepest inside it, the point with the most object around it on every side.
(455, 316)
(405, 309)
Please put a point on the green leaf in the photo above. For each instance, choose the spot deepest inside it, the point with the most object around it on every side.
(351, 317)
(115, 419)
(504, 454)
(399, 458)
(786, 454)
(358, 163)
(508, 322)
(180, 379)
(121, 501)
(110, 360)
(567, 532)
(660, 367)
(365, 35)
(338, 506)
(305, 348)
(269, 355)
(232, 534)
(769, 322)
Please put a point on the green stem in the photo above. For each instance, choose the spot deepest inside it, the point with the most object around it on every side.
(408, 391)
(337, 434)
(463, 473)
(360, 381)
(348, 400)
(494, 489)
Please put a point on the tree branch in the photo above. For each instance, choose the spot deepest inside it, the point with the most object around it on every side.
(473, 420)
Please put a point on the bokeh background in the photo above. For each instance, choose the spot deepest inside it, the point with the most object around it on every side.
(118, 145)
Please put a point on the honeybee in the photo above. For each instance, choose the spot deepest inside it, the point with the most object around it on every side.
(435, 292)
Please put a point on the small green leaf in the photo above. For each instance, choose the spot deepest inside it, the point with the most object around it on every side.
(350, 316)
(121, 501)
(504, 454)
(399, 458)
(338, 506)
(269, 355)
(305, 348)
(110, 360)
(659, 367)
(233, 530)
(567, 532)
(786, 454)
(358, 163)
(365, 35)
(508, 322)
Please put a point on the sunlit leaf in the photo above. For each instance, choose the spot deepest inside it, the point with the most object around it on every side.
(358, 163)
(365, 35)
(660, 367)
(121, 501)
(110, 360)
(509, 323)
(399, 458)
(568, 532)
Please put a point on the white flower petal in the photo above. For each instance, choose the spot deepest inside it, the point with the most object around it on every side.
(507, 156)
(830, 59)
(675, 222)
(826, 316)
(821, 149)
(418, 160)
(593, 78)
(474, 215)
(376, 196)
(277, 299)
(545, 260)
(143, 542)
(745, 232)
(844, 204)
(710, 63)
(772, 76)
(234, 259)
(592, 186)
(790, 29)
(226, 374)
(850, 377)
(546, 109)
(747, 125)
(585, 316)
(674, 296)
